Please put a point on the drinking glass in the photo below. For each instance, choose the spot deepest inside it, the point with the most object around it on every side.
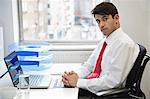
(23, 87)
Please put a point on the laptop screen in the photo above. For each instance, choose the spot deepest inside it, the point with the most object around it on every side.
(13, 67)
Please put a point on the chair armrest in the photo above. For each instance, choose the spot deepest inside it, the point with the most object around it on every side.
(111, 92)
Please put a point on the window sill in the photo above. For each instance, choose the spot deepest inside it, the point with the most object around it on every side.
(72, 47)
(63, 46)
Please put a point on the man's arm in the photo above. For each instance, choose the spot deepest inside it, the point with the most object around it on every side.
(89, 65)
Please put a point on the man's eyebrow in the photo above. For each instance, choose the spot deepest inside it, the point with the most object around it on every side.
(104, 16)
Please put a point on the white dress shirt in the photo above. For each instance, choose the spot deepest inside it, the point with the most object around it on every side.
(118, 58)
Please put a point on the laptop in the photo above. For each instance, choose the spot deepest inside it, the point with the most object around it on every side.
(14, 69)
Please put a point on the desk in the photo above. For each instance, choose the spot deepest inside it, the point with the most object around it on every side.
(56, 93)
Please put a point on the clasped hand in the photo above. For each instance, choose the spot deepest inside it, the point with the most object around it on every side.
(70, 79)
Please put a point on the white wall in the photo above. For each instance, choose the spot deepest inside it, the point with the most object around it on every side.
(146, 76)
(148, 8)
(8, 17)
(135, 21)
(133, 14)
(6, 21)
(1, 43)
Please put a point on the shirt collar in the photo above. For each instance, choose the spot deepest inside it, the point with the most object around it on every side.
(114, 35)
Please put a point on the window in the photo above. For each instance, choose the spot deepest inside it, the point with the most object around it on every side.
(58, 20)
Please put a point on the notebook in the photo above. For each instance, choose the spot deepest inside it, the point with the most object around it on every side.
(14, 69)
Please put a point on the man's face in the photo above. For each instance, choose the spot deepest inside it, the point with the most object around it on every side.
(107, 23)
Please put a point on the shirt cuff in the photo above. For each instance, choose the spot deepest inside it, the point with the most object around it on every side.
(82, 83)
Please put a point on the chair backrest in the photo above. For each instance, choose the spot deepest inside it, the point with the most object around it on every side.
(135, 75)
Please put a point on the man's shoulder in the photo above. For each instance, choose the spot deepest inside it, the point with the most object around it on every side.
(125, 39)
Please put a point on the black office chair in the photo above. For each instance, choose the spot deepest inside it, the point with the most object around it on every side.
(132, 88)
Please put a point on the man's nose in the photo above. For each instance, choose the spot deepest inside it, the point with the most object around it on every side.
(102, 24)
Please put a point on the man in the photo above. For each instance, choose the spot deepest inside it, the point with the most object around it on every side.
(110, 63)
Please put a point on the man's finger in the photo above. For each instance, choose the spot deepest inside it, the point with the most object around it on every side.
(65, 82)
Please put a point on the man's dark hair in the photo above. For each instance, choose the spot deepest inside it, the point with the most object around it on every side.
(105, 8)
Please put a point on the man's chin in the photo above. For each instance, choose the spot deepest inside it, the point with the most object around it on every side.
(105, 34)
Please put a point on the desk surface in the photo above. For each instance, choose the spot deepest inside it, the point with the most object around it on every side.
(53, 93)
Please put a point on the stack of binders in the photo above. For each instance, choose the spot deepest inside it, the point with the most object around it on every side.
(34, 57)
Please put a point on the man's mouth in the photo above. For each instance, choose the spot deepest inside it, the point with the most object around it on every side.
(103, 29)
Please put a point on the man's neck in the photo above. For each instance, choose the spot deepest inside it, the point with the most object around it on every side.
(113, 31)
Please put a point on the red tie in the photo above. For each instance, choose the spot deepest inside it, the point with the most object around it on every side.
(97, 69)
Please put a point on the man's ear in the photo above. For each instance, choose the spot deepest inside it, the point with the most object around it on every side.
(116, 17)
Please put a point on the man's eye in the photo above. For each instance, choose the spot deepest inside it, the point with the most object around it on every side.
(98, 21)
(105, 19)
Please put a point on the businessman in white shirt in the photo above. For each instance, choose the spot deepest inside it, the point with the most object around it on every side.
(108, 68)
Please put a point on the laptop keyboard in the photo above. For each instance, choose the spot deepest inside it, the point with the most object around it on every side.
(36, 80)
(56, 83)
